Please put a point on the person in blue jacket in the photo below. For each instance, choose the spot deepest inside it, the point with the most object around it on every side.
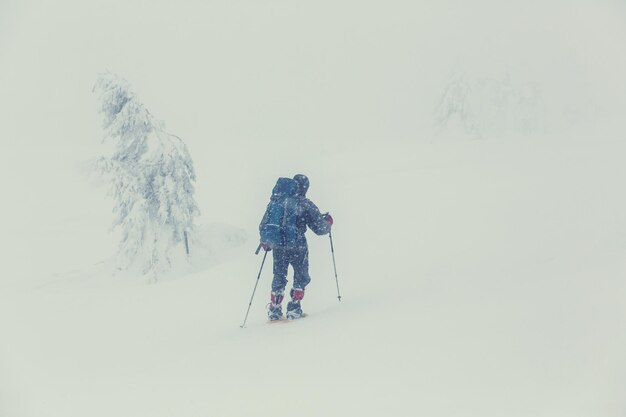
(308, 215)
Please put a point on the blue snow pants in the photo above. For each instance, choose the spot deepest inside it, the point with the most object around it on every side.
(298, 258)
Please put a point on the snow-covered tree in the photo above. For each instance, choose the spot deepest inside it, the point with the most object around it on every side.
(152, 176)
(489, 106)
(455, 107)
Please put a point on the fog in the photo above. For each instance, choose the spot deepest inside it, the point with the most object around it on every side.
(482, 141)
(306, 73)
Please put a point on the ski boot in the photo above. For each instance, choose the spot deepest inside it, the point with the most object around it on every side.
(274, 308)
(294, 310)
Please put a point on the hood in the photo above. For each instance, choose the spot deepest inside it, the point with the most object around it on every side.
(303, 184)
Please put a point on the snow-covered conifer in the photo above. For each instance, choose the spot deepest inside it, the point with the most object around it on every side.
(152, 176)
(490, 106)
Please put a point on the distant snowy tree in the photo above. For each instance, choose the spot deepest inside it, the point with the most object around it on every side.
(489, 106)
(152, 177)
(455, 108)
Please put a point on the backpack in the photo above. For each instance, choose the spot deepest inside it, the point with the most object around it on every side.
(278, 227)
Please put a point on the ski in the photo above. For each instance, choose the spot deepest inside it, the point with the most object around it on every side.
(285, 320)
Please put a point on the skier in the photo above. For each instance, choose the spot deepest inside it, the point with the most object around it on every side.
(297, 255)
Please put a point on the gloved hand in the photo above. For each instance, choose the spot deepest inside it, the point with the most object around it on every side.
(265, 247)
(328, 218)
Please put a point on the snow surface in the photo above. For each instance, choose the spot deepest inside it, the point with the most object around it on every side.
(479, 277)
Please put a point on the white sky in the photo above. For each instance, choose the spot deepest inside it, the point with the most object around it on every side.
(326, 70)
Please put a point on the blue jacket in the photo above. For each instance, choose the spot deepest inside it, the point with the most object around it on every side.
(309, 215)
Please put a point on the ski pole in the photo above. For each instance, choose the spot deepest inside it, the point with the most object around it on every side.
(332, 249)
(254, 291)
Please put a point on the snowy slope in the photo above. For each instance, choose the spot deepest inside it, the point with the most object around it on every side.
(479, 277)
(484, 279)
